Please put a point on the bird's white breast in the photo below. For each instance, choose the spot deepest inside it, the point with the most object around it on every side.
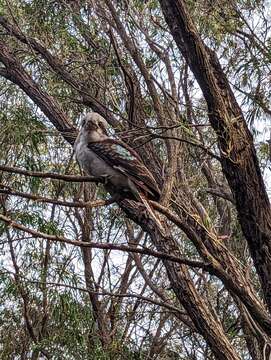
(93, 164)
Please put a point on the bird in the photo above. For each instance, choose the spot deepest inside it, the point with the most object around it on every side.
(124, 173)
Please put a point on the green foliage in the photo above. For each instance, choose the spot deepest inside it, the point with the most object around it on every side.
(50, 279)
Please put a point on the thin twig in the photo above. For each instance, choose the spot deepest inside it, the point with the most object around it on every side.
(107, 293)
(74, 204)
(49, 175)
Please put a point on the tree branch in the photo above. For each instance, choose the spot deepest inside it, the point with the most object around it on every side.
(59, 68)
(107, 246)
(49, 175)
(73, 204)
(107, 293)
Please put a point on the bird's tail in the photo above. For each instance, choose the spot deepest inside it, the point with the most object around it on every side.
(151, 212)
(141, 198)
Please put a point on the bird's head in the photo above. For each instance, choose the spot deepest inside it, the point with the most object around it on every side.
(94, 123)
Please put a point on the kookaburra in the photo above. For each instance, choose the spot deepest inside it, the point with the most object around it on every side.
(101, 156)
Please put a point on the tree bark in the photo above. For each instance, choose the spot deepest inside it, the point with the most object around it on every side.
(207, 324)
(238, 155)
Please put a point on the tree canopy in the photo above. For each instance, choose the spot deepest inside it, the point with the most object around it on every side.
(187, 85)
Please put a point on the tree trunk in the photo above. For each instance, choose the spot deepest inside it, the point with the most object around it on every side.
(205, 322)
(238, 156)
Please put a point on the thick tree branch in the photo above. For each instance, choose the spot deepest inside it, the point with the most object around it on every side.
(59, 68)
(238, 156)
(50, 107)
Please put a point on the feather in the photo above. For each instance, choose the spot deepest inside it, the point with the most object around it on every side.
(123, 158)
(124, 170)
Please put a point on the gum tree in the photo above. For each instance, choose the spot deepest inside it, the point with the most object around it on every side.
(180, 82)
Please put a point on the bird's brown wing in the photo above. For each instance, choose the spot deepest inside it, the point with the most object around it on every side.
(120, 156)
